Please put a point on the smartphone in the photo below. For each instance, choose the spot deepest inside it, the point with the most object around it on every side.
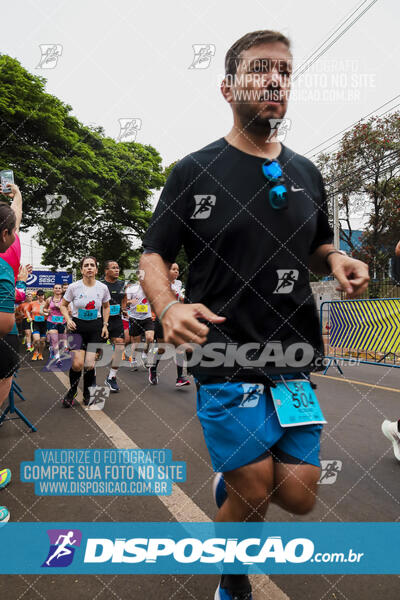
(6, 177)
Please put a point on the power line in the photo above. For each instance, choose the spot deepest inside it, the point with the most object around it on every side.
(352, 125)
(363, 169)
(335, 40)
(386, 169)
(332, 34)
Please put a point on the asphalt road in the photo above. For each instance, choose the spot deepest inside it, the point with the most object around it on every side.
(367, 488)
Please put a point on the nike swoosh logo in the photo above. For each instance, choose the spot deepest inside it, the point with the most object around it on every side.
(296, 189)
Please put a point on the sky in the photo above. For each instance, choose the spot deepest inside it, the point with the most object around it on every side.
(131, 59)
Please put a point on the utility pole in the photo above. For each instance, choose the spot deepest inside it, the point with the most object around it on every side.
(336, 223)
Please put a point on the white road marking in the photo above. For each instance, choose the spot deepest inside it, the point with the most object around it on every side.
(179, 504)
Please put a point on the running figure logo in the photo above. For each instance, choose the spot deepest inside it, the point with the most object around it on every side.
(329, 471)
(128, 129)
(287, 279)
(204, 204)
(63, 543)
(279, 128)
(50, 55)
(203, 54)
(251, 394)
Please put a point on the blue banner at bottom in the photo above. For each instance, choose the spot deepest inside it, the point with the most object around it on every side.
(191, 548)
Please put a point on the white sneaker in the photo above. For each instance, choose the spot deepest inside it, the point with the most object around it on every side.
(390, 431)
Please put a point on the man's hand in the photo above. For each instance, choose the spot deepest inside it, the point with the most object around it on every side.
(352, 274)
(181, 323)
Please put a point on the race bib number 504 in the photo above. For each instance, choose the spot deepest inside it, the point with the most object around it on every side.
(296, 403)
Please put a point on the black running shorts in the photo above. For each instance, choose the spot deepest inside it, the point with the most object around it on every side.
(40, 327)
(139, 326)
(115, 328)
(10, 358)
(86, 332)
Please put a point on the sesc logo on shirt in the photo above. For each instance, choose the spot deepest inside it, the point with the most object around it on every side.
(204, 204)
(251, 394)
(286, 280)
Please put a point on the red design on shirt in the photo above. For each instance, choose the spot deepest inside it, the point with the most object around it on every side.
(144, 301)
(90, 305)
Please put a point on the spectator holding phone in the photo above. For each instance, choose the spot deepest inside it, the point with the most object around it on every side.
(8, 329)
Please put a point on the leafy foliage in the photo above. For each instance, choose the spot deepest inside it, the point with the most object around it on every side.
(108, 184)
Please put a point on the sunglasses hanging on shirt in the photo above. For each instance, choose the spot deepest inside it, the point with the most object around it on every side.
(272, 171)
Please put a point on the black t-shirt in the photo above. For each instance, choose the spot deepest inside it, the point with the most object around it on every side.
(117, 294)
(247, 261)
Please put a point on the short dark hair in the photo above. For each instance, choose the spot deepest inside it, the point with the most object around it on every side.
(86, 258)
(255, 38)
(40, 293)
(107, 263)
(7, 217)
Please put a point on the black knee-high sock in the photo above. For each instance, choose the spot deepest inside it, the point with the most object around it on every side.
(88, 378)
(74, 377)
(157, 358)
(179, 370)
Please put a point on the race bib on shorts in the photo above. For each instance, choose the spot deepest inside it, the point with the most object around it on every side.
(57, 319)
(115, 309)
(38, 318)
(141, 308)
(87, 314)
(296, 403)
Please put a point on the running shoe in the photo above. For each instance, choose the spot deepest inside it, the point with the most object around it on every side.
(4, 515)
(232, 593)
(390, 431)
(40, 357)
(153, 377)
(69, 399)
(181, 381)
(30, 349)
(5, 478)
(35, 356)
(112, 384)
(219, 489)
(134, 363)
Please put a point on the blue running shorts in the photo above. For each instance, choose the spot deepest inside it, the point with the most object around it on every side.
(240, 427)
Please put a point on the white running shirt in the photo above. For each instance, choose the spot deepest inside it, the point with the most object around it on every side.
(141, 309)
(84, 297)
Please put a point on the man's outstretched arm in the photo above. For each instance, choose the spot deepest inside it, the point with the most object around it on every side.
(181, 321)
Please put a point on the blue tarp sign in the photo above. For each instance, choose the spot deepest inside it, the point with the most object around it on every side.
(47, 279)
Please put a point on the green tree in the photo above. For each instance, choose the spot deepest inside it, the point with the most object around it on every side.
(364, 173)
(108, 185)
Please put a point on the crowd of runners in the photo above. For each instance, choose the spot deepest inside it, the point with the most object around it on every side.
(71, 319)
(252, 217)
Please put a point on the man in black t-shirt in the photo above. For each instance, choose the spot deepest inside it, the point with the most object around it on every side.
(115, 326)
(252, 217)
